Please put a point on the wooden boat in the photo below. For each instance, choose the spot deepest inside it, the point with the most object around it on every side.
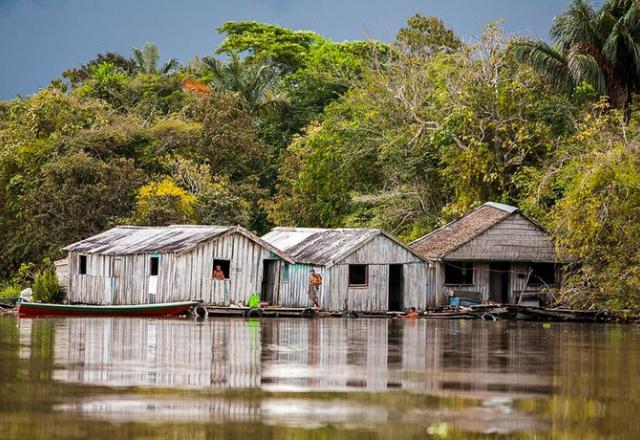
(160, 309)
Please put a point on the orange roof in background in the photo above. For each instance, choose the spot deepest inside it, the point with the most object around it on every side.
(190, 85)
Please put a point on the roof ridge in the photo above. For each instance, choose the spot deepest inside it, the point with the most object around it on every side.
(502, 206)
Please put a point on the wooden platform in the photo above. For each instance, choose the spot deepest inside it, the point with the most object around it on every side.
(268, 311)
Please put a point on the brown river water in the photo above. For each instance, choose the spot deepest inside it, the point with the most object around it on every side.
(330, 378)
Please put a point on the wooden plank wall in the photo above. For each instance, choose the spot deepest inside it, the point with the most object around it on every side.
(481, 283)
(337, 295)
(180, 277)
(294, 292)
(513, 239)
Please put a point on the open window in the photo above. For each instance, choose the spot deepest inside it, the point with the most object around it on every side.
(82, 264)
(458, 274)
(154, 266)
(222, 265)
(358, 275)
(542, 274)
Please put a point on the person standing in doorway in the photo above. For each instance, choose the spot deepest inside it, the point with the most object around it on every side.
(315, 281)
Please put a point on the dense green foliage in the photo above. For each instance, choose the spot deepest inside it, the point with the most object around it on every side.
(290, 128)
(46, 288)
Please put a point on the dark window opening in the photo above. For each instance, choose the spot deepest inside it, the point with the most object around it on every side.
(285, 273)
(358, 275)
(82, 264)
(221, 265)
(458, 273)
(542, 273)
(155, 264)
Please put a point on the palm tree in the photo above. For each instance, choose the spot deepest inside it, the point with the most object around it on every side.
(255, 80)
(146, 60)
(598, 47)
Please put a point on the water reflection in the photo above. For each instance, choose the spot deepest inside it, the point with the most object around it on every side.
(347, 374)
(303, 355)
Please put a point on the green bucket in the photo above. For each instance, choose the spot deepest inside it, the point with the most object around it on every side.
(254, 301)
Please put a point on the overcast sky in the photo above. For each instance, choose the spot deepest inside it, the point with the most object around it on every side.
(41, 38)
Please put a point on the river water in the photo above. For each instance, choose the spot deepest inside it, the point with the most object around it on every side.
(232, 378)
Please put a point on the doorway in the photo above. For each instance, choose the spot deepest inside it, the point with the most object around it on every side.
(499, 282)
(269, 280)
(395, 287)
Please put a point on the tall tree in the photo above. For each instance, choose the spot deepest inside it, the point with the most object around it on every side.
(287, 48)
(255, 80)
(146, 60)
(599, 47)
(426, 36)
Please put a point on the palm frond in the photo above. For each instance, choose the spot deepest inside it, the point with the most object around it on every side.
(577, 25)
(585, 68)
(169, 66)
(545, 60)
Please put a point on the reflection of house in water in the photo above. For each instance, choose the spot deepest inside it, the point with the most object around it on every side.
(452, 358)
(474, 360)
(171, 353)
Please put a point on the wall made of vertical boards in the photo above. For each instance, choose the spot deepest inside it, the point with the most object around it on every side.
(432, 285)
(517, 280)
(294, 292)
(194, 271)
(336, 294)
(481, 283)
(378, 254)
(180, 276)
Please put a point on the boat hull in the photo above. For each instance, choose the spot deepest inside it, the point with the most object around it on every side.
(164, 309)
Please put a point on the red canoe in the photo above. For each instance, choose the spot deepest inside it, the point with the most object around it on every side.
(161, 309)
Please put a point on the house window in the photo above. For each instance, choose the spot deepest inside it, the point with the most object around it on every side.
(285, 273)
(225, 266)
(155, 263)
(358, 275)
(82, 264)
(458, 274)
(542, 273)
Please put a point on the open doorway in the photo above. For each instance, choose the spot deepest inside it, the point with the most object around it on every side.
(395, 287)
(499, 282)
(269, 281)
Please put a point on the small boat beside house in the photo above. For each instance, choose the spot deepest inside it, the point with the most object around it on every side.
(159, 309)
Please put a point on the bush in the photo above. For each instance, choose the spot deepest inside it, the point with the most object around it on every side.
(46, 287)
(9, 291)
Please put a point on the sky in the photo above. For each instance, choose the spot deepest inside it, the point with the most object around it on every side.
(39, 39)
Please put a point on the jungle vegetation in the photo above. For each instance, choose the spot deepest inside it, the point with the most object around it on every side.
(283, 127)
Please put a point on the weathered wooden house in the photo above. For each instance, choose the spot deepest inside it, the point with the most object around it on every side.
(138, 265)
(494, 254)
(362, 269)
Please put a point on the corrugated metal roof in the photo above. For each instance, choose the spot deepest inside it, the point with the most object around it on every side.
(507, 208)
(319, 246)
(450, 237)
(127, 240)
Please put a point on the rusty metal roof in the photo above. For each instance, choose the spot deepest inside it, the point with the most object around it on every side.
(450, 237)
(128, 240)
(323, 247)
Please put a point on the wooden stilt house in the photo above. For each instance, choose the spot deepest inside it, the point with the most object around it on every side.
(362, 269)
(494, 254)
(138, 265)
